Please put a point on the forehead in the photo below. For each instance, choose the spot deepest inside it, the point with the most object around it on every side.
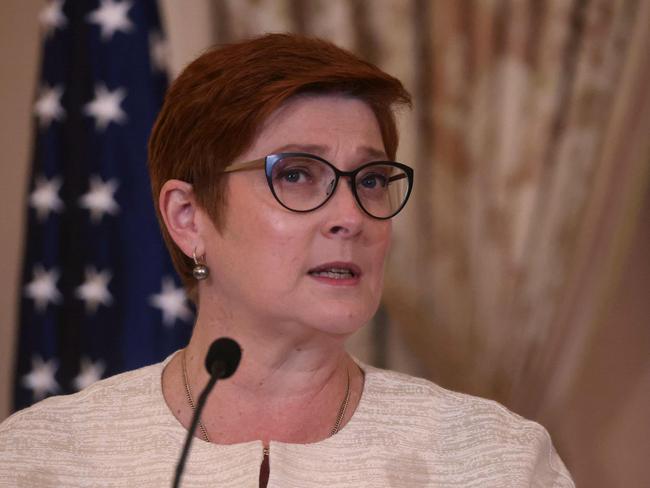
(334, 123)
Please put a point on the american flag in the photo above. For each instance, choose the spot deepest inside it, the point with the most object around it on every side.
(98, 294)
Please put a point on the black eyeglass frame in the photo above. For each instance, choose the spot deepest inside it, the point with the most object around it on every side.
(269, 161)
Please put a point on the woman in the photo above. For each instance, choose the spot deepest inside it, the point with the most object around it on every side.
(272, 160)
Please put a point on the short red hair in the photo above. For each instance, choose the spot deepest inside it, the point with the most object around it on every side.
(215, 108)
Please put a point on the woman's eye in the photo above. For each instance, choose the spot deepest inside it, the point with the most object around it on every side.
(294, 175)
(373, 180)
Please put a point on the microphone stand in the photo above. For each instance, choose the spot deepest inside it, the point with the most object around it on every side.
(221, 362)
(195, 420)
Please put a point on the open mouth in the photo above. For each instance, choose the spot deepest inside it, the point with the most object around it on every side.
(338, 272)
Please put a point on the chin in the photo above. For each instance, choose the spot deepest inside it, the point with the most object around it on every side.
(342, 320)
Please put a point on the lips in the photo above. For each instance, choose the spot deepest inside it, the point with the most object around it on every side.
(336, 271)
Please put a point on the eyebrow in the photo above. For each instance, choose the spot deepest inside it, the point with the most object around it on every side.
(366, 151)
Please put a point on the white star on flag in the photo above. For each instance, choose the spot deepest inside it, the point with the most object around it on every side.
(41, 378)
(89, 373)
(105, 107)
(52, 18)
(158, 51)
(42, 289)
(99, 198)
(172, 301)
(48, 106)
(111, 16)
(94, 291)
(45, 197)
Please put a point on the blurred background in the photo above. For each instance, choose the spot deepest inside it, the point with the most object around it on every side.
(520, 268)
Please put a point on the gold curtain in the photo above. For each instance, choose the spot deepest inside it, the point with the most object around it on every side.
(531, 132)
(530, 140)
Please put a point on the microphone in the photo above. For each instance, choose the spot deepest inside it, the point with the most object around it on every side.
(223, 358)
(221, 362)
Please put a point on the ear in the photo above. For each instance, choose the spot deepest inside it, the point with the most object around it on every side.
(182, 216)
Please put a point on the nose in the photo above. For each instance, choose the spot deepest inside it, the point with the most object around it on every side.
(344, 217)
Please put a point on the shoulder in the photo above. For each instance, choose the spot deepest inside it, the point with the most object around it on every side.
(112, 394)
(463, 430)
(402, 394)
(107, 430)
(418, 393)
(58, 429)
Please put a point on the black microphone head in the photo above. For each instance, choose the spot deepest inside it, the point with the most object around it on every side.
(223, 357)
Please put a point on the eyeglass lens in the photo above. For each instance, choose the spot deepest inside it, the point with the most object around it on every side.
(301, 183)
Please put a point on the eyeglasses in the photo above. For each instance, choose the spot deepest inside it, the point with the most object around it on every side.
(303, 182)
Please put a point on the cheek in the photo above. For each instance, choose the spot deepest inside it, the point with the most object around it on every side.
(256, 219)
(383, 238)
(280, 240)
(377, 251)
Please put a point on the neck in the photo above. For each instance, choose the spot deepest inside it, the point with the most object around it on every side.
(288, 387)
(275, 363)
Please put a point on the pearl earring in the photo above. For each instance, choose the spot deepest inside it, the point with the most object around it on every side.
(200, 271)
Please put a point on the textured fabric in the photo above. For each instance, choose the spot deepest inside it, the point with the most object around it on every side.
(405, 432)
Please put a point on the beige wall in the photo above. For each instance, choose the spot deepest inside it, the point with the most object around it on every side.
(18, 55)
(189, 26)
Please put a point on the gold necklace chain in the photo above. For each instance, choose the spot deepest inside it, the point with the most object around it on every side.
(204, 432)
(343, 407)
(188, 393)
